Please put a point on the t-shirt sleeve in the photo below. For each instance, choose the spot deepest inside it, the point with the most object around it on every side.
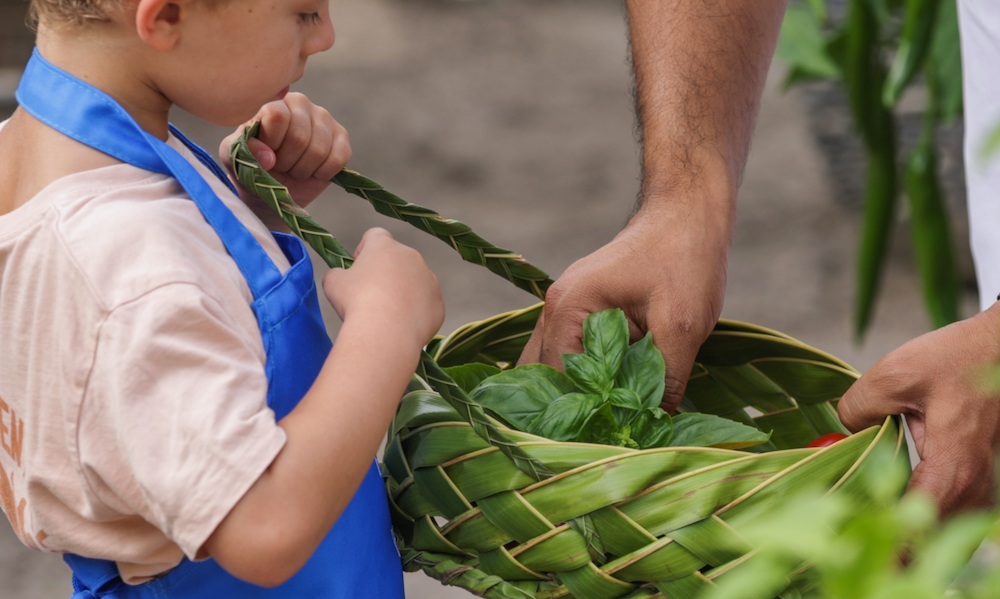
(174, 426)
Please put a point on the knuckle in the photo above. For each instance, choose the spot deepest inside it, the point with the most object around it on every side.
(317, 152)
(554, 296)
(297, 137)
(275, 113)
(673, 392)
(344, 153)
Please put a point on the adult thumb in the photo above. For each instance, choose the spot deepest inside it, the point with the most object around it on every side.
(867, 403)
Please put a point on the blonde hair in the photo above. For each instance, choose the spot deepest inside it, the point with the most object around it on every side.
(73, 12)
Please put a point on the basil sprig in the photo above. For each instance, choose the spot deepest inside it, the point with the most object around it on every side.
(610, 394)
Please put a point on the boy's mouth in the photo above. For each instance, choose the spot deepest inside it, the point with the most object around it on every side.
(283, 93)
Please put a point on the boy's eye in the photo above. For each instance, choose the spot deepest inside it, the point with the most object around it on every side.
(310, 17)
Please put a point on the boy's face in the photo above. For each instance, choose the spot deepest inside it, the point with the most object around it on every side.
(232, 59)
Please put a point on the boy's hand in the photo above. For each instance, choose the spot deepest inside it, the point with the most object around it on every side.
(391, 286)
(300, 145)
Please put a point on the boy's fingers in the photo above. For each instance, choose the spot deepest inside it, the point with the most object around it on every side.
(298, 135)
(319, 149)
(275, 118)
(338, 157)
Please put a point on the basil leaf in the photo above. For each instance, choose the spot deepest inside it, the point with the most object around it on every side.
(625, 398)
(564, 417)
(643, 371)
(600, 427)
(468, 376)
(693, 429)
(605, 338)
(652, 428)
(520, 395)
(624, 438)
(587, 373)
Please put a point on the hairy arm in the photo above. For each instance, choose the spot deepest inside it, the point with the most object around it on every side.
(700, 68)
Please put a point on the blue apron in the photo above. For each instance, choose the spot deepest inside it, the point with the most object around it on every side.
(359, 557)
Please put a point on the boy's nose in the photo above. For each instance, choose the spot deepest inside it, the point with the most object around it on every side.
(324, 37)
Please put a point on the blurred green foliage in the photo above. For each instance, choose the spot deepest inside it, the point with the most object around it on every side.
(878, 50)
(840, 547)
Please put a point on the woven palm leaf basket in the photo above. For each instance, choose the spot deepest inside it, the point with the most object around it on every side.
(510, 515)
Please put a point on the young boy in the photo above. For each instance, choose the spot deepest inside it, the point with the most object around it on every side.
(167, 390)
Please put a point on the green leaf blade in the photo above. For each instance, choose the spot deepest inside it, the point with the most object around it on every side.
(520, 395)
(693, 429)
(802, 46)
(643, 371)
(932, 241)
(469, 376)
(605, 338)
(563, 419)
(588, 373)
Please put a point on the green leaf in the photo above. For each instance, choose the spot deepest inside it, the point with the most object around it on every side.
(564, 417)
(605, 338)
(944, 556)
(652, 428)
(520, 395)
(588, 373)
(643, 371)
(837, 48)
(864, 76)
(916, 39)
(945, 61)
(468, 376)
(693, 429)
(802, 45)
(600, 428)
(818, 7)
(934, 249)
(625, 398)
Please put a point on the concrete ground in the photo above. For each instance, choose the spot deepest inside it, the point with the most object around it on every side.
(515, 117)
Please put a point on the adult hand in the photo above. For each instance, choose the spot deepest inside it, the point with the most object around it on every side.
(666, 270)
(937, 381)
(699, 73)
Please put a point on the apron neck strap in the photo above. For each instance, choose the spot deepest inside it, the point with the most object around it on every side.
(88, 115)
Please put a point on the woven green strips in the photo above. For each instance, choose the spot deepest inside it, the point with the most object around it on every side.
(510, 515)
(254, 178)
(670, 517)
(458, 235)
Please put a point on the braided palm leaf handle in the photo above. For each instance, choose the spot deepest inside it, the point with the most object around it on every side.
(256, 179)
(458, 235)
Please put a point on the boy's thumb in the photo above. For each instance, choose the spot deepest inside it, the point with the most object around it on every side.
(263, 153)
(372, 235)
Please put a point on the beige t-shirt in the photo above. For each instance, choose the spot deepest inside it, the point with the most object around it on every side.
(133, 408)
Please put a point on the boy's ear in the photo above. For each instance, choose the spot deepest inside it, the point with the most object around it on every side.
(158, 22)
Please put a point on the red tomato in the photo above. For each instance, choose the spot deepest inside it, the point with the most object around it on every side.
(827, 440)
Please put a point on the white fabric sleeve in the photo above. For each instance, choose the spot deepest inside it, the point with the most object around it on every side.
(979, 23)
(174, 426)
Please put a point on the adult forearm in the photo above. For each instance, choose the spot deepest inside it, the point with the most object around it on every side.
(700, 68)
